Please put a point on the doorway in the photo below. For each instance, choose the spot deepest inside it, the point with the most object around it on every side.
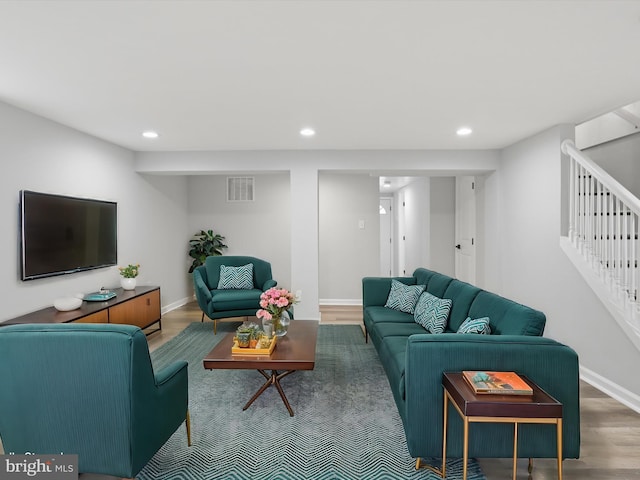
(465, 253)
(386, 236)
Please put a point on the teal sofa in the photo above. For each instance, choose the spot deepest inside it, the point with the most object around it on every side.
(218, 303)
(414, 361)
(89, 390)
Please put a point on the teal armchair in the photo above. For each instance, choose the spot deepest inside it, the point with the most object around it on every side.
(218, 303)
(90, 390)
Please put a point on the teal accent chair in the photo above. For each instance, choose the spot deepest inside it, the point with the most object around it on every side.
(90, 390)
(230, 303)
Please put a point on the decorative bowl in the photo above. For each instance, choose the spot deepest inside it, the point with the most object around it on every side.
(66, 304)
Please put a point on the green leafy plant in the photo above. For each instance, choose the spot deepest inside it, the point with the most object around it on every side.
(130, 271)
(203, 245)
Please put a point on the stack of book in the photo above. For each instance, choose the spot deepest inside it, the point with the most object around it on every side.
(501, 383)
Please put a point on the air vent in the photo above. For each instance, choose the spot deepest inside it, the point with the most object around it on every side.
(240, 189)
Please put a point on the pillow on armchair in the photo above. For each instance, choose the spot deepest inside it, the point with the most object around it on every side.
(236, 278)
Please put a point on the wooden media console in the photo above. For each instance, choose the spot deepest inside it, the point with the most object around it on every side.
(139, 307)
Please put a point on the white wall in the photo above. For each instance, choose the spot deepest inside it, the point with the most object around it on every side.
(523, 259)
(261, 228)
(42, 155)
(347, 252)
(621, 159)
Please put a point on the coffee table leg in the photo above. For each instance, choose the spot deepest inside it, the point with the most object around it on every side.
(273, 379)
(280, 391)
(262, 388)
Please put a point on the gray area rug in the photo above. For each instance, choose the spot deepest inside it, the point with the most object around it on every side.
(346, 425)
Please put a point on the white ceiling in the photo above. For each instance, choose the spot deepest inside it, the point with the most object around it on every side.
(365, 74)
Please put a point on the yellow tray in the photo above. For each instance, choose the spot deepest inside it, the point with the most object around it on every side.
(236, 350)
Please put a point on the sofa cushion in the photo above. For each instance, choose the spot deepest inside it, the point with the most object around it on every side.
(462, 295)
(403, 297)
(235, 299)
(236, 278)
(398, 329)
(438, 284)
(432, 312)
(383, 314)
(475, 325)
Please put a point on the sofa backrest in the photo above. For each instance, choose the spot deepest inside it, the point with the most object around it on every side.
(261, 268)
(464, 295)
(506, 317)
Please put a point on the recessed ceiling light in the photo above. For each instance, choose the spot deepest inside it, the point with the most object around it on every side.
(150, 134)
(464, 131)
(307, 132)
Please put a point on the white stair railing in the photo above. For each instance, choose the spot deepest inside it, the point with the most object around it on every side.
(603, 227)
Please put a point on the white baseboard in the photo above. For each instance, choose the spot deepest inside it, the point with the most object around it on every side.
(614, 390)
(177, 304)
(341, 302)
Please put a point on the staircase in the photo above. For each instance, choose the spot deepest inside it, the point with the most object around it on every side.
(602, 240)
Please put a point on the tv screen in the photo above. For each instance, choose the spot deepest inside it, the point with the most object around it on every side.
(61, 234)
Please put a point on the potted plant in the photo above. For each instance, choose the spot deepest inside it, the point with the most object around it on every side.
(203, 245)
(129, 274)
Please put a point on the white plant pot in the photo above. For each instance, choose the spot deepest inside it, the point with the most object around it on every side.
(128, 283)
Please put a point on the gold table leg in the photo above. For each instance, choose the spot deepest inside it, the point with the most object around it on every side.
(559, 432)
(465, 448)
(439, 471)
(515, 449)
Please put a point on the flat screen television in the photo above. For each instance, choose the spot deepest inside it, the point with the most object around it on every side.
(61, 234)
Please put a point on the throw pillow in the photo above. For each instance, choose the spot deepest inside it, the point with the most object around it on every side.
(432, 312)
(475, 325)
(238, 278)
(403, 297)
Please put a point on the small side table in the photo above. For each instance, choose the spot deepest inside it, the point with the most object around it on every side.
(488, 408)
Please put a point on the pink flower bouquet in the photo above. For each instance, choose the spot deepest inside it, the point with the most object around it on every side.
(273, 302)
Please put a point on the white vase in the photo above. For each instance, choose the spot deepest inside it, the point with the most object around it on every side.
(128, 283)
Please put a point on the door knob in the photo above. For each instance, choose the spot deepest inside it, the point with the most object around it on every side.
(458, 246)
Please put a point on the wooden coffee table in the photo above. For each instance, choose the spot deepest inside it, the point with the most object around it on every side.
(295, 351)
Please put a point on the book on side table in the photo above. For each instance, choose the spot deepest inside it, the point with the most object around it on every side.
(501, 383)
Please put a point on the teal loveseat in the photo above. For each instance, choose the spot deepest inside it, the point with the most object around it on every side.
(414, 361)
(217, 303)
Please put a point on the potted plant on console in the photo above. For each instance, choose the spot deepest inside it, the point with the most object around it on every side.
(129, 274)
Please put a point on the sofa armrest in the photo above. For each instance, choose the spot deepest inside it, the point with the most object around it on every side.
(375, 290)
(269, 284)
(166, 374)
(203, 294)
(553, 366)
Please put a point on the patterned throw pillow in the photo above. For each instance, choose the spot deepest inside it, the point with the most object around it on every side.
(403, 297)
(432, 312)
(238, 278)
(475, 325)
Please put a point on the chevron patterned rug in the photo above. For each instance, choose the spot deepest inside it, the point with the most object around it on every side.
(346, 425)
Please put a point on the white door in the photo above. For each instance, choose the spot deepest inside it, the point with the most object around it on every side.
(386, 237)
(401, 268)
(465, 247)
